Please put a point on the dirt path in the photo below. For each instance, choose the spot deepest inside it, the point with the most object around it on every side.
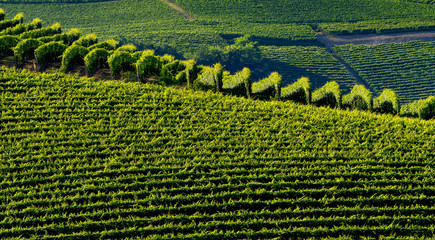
(180, 10)
(375, 39)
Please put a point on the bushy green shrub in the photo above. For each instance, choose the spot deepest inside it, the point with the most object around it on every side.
(239, 83)
(26, 49)
(269, 87)
(148, 65)
(328, 95)
(12, 22)
(181, 77)
(110, 44)
(95, 59)
(358, 98)
(387, 102)
(120, 61)
(128, 48)
(49, 52)
(300, 91)
(67, 38)
(2, 14)
(424, 108)
(192, 71)
(165, 59)
(211, 78)
(22, 27)
(174, 67)
(166, 76)
(6, 44)
(73, 55)
(42, 32)
(87, 41)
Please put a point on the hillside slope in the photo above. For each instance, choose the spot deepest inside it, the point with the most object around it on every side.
(83, 159)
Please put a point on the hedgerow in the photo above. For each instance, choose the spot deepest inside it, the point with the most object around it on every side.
(49, 52)
(387, 102)
(22, 27)
(73, 56)
(358, 98)
(110, 44)
(127, 48)
(7, 43)
(192, 71)
(269, 87)
(2, 14)
(148, 65)
(210, 78)
(67, 38)
(87, 41)
(300, 91)
(239, 84)
(423, 108)
(26, 49)
(328, 95)
(42, 32)
(18, 19)
(95, 59)
(120, 61)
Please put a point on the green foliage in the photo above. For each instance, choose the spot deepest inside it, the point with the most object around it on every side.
(95, 160)
(423, 108)
(405, 68)
(2, 14)
(358, 98)
(87, 41)
(165, 59)
(269, 87)
(12, 22)
(239, 83)
(49, 52)
(42, 32)
(300, 91)
(120, 61)
(148, 65)
(67, 38)
(73, 56)
(328, 95)
(387, 102)
(6, 44)
(210, 78)
(95, 59)
(131, 48)
(192, 71)
(110, 44)
(25, 49)
(22, 27)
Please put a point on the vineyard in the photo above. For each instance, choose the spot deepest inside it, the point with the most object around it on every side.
(84, 159)
(405, 68)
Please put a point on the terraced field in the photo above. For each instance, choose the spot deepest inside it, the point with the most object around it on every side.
(84, 159)
(405, 68)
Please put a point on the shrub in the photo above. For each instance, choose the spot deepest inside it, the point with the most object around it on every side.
(174, 67)
(387, 102)
(120, 61)
(42, 32)
(2, 14)
(95, 59)
(211, 78)
(6, 44)
(22, 27)
(12, 22)
(181, 77)
(148, 65)
(165, 59)
(87, 41)
(73, 55)
(269, 87)
(423, 108)
(110, 44)
(358, 98)
(49, 52)
(128, 48)
(300, 91)
(166, 75)
(328, 95)
(67, 38)
(26, 49)
(192, 71)
(239, 83)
